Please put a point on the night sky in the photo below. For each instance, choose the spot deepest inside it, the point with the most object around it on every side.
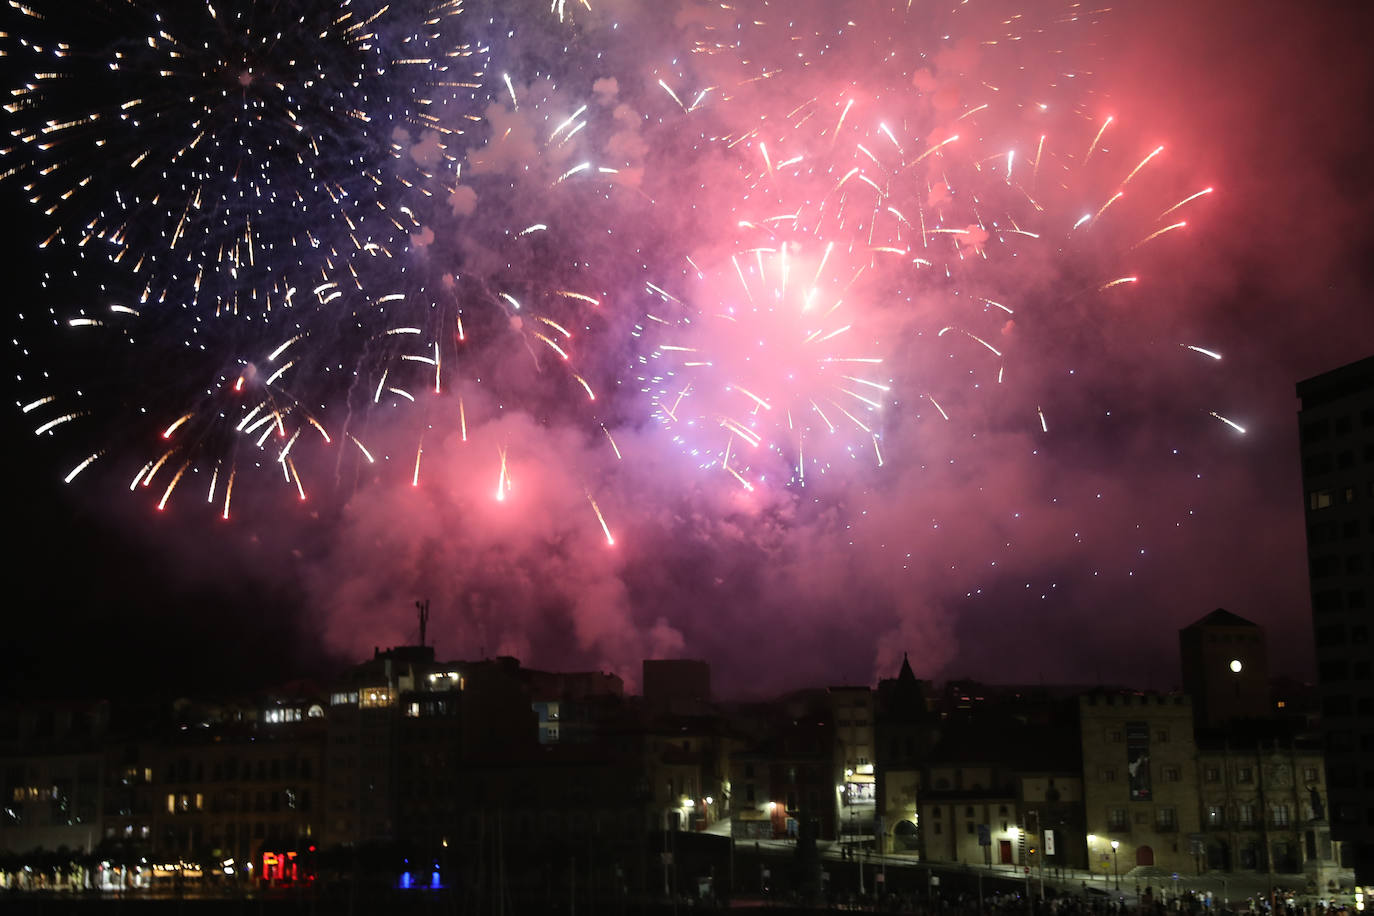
(988, 544)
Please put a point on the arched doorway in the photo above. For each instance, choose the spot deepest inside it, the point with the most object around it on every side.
(1144, 855)
(905, 837)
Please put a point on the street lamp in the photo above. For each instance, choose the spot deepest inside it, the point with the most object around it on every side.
(1092, 841)
(1115, 873)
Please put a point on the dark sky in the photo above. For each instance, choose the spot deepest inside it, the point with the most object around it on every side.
(984, 544)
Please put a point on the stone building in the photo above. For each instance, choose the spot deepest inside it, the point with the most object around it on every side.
(1140, 780)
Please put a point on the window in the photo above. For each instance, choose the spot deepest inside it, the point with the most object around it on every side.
(1165, 819)
(1319, 499)
(1116, 819)
(1211, 774)
(1280, 815)
(1324, 565)
(1316, 431)
(1171, 774)
(1245, 774)
(1108, 774)
(1332, 670)
(1162, 735)
(376, 697)
(1330, 635)
(1216, 816)
(1245, 815)
(1114, 735)
(1326, 600)
(1309, 775)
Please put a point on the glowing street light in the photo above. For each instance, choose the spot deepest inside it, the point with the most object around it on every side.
(1115, 872)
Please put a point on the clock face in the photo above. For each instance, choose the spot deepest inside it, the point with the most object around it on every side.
(1236, 665)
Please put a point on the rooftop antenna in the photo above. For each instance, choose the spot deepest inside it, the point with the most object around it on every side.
(423, 608)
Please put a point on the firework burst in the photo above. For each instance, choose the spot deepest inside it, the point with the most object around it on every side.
(220, 151)
(763, 358)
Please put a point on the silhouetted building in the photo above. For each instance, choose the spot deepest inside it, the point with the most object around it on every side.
(679, 685)
(903, 732)
(1336, 433)
(1225, 668)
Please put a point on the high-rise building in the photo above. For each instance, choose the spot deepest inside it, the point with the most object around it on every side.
(1336, 426)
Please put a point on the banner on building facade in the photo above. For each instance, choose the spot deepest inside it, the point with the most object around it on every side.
(1138, 760)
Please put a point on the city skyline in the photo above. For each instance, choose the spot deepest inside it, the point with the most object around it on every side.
(1062, 529)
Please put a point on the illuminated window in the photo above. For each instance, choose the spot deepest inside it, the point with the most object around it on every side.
(171, 803)
(445, 680)
(375, 697)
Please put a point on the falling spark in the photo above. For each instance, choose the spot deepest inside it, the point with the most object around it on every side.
(610, 541)
(1185, 200)
(1117, 282)
(615, 448)
(1157, 150)
(81, 467)
(1157, 233)
(1231, 423)
(502, 481)
(1092, 146)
